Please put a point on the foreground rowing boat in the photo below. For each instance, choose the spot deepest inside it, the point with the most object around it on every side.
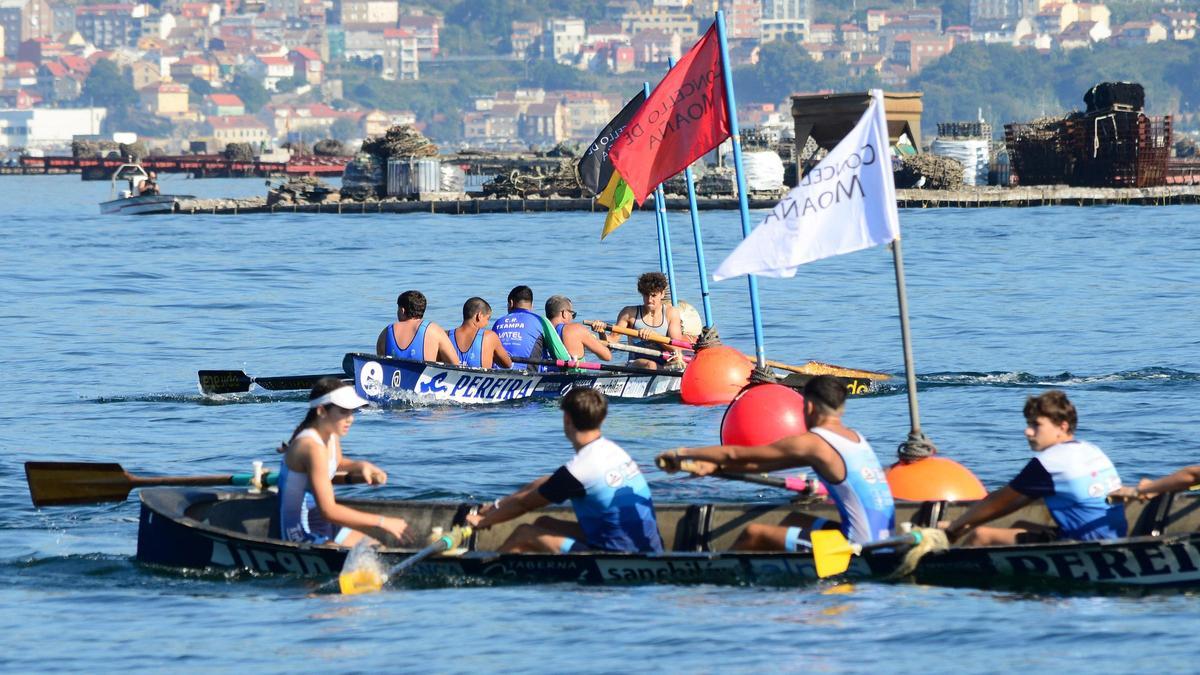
(382, 379)
(227, 530)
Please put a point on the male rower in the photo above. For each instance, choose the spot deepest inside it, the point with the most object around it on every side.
(841, 457)
(1073, 477)
(477, 346)
(520, 329)
(569, 339)
(423, 340)
(1147, 489)
(613, 508)
(655, 317)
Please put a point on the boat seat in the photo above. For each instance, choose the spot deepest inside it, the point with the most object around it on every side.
(254, 516)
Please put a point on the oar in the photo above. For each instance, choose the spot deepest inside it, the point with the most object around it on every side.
(587, 365)
(799, 484)
(810, 368)
(658, 353)
(237, 381)
(370, 580)
(832, 551)
(64, 483)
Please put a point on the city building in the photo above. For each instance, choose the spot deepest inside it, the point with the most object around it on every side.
(309, 63)
(48, 128)
(788, 19)
(362, 13)
(743, 19)
(525, 34)
(564, 38)
(24, 20)
(665, 19)
(401, 55)
(426, 29)
(109, 26)
(226, 129)
(223, 105)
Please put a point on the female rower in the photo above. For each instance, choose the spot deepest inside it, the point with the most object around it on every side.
(307, 509)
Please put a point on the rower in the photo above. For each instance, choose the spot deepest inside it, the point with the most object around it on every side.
(308, 511)
(520, 329)
(613, 508)
(569, 339)
(1073, 477)
(423, 340)
(476, 346)
(1147, 489)
(654, 317)
(841, 457)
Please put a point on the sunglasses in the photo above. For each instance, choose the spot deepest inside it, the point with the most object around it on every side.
(573, 313)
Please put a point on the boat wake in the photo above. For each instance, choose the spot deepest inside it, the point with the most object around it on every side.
(1154, 376)
(204, 399)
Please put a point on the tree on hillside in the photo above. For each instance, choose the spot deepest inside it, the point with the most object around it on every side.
(785, 67)
(251, 91)
(106, 86)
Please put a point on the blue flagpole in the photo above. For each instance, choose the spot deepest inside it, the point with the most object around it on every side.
(743, 201)
(691, 193)
(665, 262)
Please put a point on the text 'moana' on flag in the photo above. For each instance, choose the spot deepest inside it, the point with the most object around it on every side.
(684, 117)
(595, 169)
(846, 203)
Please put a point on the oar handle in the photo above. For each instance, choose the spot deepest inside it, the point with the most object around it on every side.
(801, 484)
(621, 330)
(586, 365)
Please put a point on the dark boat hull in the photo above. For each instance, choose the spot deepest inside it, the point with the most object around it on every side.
(228, 531)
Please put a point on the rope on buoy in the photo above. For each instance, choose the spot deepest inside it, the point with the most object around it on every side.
(762, 376)
(917, 446)
(929, 540)
(708, 338)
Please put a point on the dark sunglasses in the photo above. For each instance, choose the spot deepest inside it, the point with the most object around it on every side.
(573, 313)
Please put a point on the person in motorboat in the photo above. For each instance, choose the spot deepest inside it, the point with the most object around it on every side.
(478, 347)
(1071, 476)
(149, 186)
(423, 340)
(308, 510)
(841, 457)
(1147, 489)
(654, 317)
(521, 329)
(570, 340)
(613, 507)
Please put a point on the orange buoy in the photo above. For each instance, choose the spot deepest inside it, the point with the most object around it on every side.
(933, 479)
(763, 414)
(715, 376)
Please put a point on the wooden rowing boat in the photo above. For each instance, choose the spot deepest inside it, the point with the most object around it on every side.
(382, 380)
(221, 530)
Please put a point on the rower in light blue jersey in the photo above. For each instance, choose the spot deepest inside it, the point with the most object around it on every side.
(412, 337)
(520, 331)
(841, 457)
(1072, 477)
(475, 345)
(613, 507)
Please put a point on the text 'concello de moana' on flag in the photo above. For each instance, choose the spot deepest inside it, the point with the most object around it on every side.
(685, 116)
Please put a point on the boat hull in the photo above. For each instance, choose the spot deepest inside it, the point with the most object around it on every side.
(384, 380)
(225, 531)
(142, 205)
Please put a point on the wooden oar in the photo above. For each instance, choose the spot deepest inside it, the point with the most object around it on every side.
(832, 551)
(799, 484)
(65, 483)
(238, 382)
(370, 580)
(658, 353)
(587, 365)
(810, 368)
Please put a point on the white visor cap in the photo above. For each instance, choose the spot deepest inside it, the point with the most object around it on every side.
(342, 397)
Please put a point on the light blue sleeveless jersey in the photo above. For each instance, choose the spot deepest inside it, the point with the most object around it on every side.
(863, 499)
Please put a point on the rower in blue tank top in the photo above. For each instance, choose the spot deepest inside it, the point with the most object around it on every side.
(423, 340)
(474, 344)
(1071, 476)
(842, 458)
(613, 508)
(520, 331)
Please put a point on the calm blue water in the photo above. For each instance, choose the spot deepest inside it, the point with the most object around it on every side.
(104, 323)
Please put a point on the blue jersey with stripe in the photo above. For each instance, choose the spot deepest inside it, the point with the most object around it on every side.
(1074, 479)
(519, 331)
(611, 498)
(415, 349)
(473, 357)
(863, 498)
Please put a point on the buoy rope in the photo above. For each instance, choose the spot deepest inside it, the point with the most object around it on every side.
(762, 376)
(708, 338)
(917, 446)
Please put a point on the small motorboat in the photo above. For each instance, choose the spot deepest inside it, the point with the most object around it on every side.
(129, 202)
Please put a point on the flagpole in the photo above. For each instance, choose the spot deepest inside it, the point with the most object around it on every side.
(665, 262)
(743, 200)
(910, 377)
(695, 214)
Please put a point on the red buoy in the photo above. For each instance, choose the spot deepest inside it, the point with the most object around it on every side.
(934, 479)
(715, 376)
(763, 414)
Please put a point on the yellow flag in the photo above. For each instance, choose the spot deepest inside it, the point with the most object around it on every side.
(619, 199)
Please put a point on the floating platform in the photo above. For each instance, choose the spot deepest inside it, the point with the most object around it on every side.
(968, 197)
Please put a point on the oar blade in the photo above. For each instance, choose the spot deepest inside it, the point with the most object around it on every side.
(831, 552)
(65, 483)
(224, 382)
(361, 581)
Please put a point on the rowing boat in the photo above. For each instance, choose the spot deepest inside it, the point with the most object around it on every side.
(223, 531)
(383, 380)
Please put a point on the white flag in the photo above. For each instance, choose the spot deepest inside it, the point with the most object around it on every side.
(846, 203)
